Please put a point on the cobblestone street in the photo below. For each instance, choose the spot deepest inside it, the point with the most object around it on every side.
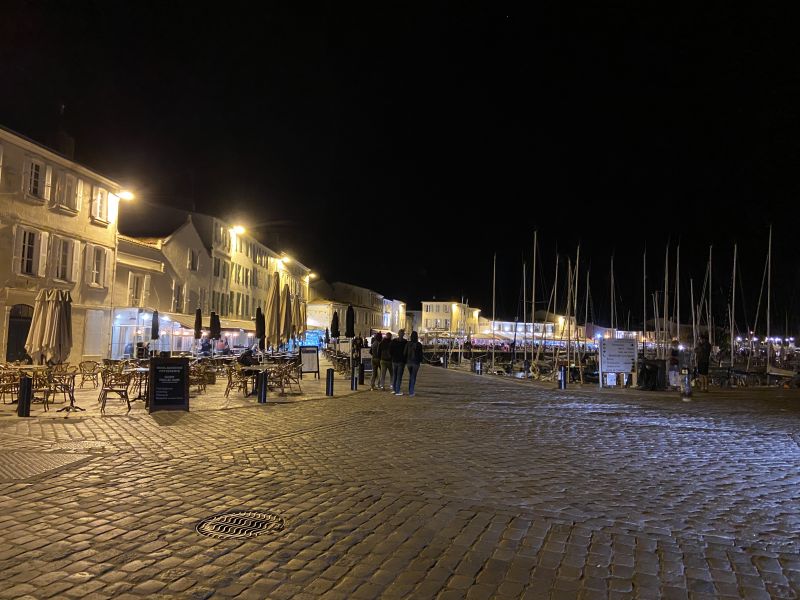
(477, 487)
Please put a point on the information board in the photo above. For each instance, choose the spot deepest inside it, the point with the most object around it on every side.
(309, 360)
(344, 346)
(617, 356)
(169, 384)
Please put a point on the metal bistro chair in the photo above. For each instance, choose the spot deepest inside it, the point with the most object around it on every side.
(237, 379)
(116, 383)
(42, 381)
(9, 384)
(89, 371)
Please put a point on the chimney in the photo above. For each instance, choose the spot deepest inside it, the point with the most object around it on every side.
(63, 143)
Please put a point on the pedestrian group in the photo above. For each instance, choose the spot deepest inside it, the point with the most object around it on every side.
(393, 356)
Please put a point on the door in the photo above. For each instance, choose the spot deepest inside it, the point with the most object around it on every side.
(19, 323)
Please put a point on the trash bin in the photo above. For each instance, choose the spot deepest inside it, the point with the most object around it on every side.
(25, 396)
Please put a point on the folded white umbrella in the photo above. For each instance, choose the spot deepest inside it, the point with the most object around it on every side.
(34, 341)
(286, 314)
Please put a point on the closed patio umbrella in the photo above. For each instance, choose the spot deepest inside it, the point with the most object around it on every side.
(260, 328)
(198, 324)
(335, 325)
(303, 318)
(350, 323)
(154, 332)
(214, 326)
(296, 323)
(272, 316)
(34, 342)
(327, 336)
(286, 314)
(61, 344)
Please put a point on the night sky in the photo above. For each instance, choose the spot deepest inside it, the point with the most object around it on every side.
(399, 146)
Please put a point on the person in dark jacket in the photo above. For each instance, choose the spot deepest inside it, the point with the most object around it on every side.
(386, 358)
(397, 350)
(702, 354)
(413, 360)
(374, 352)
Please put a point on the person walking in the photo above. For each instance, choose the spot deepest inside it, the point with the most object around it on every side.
(374, 352)
(413, 360)
(397, 349)
(386, 358)
(702, 354)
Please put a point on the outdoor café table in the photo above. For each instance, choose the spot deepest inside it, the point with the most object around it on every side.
(141, 380)
(21, 369)
(255, 370)
(65, 382)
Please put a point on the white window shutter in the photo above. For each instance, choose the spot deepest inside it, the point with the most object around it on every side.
(17, 257)
(78, 194)
(59, 179)
(48, 182)
(26, 176)
(95, 204)
(130, 288)
(145, 291)
(108, 267)
(76, 261)
(185, 309)
(43, 239)
(189, 258)
(88, 254)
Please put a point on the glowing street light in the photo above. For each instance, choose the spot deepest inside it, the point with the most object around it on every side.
(238, 229)
(285, 259)
(126, 195)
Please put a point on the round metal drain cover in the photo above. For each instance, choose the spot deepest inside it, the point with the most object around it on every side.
(239, 524)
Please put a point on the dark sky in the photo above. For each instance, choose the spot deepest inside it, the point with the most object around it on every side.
(398, 146)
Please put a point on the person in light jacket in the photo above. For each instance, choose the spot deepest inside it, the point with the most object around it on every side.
(413, 360)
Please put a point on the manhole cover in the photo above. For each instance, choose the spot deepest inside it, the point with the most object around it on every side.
(239, 524)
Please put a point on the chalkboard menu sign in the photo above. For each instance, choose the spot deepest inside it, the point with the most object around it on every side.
(169, 384)
(309, 360)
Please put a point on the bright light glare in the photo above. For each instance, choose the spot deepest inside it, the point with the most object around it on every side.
(237, 229)
(126, 195)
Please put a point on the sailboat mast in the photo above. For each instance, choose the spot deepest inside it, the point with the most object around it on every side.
(644, 298)
(533, 294)
(613, 316)
(555, 311)
(678, 292)
(708, 299)
(575, 295)
(524, 326)
(694, 323)
(769, 295)
(665, 314)
(569, 308)
(494, 278)
(733, 305)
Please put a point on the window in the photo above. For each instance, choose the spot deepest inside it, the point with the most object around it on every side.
(231, 305)
(30, 252)
(178, 296)
(66, 259)
(100, 205)
(97, 257)
(68, 189)
(193, 260)
(216, 267)
(224, 270)
(38, 180)
(138, 289)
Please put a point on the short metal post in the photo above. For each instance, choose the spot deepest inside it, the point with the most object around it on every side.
(686, 387)
(25, 396)
(329, 382)
(361, 373)
(562, 377)
(261, 382)
(353, 378)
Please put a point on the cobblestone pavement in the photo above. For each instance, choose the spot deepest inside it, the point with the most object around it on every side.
(477, 487)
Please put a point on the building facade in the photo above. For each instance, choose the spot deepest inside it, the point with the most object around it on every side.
(58, 224)
(450, 319)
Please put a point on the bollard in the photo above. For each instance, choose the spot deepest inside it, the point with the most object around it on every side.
(353, 378)
(686, 386)
(261, 383)
(25, 396)
(562, 377)
(361, 373)
(329, 382)
(445, 360)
